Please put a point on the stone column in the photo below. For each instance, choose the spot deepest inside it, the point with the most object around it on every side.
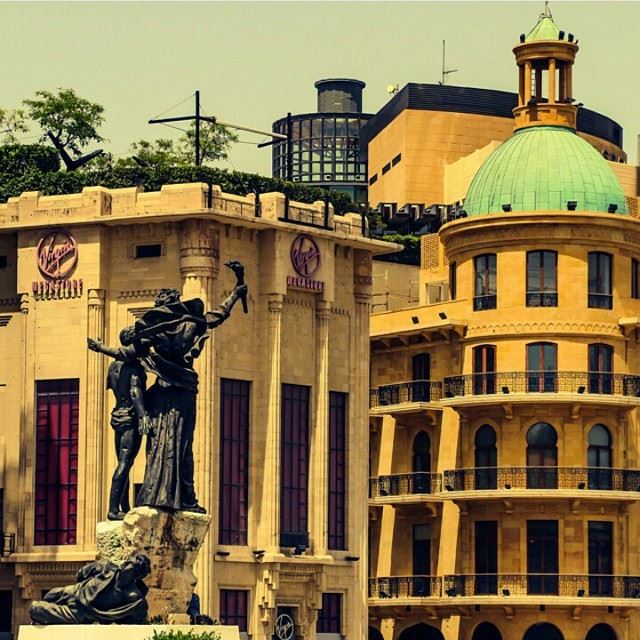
(95, 429)
(199, 271)
(552, 80)
(267, 534)
(320, 439)
(527, 82)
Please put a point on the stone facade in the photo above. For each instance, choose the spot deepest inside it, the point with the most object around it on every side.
(451, 411)
(129, 245)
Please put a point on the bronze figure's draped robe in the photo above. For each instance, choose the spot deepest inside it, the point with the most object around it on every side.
(103, 592)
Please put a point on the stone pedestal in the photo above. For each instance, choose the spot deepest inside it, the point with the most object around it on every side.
(171, 541)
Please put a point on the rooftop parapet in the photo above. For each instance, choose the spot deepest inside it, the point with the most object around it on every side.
(109, 206)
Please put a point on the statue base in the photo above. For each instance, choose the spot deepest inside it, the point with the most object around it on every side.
(171, 541)
(122, 631)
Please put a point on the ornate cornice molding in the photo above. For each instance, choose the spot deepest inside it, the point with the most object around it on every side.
(518, 329)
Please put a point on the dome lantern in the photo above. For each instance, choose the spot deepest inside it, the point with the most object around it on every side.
(545, 58)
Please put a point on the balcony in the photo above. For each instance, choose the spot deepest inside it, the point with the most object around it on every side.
(406, 588)
(618, 389)
(572, 589)
(405, 487)
(576, 483)
(404, 396)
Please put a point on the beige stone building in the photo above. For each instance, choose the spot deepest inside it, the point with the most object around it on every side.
(504, 432)
(281, 436)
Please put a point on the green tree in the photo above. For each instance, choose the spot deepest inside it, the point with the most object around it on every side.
(12, 123)
(154, 154)
(215, 142)
(72, 119)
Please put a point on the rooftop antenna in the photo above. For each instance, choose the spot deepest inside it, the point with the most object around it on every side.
(445, 71)
(199, 118)
(547, 10)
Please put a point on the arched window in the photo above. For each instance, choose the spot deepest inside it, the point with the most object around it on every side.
(421, 631)
(486, 631)
(421, 463)
(601, 631)
(543, 631)
(600, 368)
(486, 458)
(599, 458)
(542, 366)
(542, 451)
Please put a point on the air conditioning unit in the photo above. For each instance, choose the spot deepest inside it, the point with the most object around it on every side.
(360, 178)
(328, 176)
(295, 179)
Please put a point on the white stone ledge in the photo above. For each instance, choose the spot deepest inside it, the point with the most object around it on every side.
(121, 631)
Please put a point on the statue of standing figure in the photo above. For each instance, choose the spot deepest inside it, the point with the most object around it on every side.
(165, 341)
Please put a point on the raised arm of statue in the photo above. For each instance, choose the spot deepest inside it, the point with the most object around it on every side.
(99, 347)
(216, 317)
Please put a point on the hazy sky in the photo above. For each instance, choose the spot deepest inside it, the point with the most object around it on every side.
(254, 61)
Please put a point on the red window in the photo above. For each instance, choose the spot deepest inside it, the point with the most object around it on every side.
(329, 615)
(56, 461)
(294, 465)
(233, 607)
(337, 469)
(234, 461)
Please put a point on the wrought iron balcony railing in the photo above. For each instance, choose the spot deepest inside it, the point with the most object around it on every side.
(404, 484)
(546, 584)
(480, 303)
(7, 544)
(600, 301)
(579, 478)
(406, 587)
(542, 299)
(414, 391)
(581, 382)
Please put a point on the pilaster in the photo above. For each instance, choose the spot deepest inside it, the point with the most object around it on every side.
(199, 250)
(94, 432)
(320, 437)
(267, 533)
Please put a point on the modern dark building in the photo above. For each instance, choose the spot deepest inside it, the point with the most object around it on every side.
(323, 147)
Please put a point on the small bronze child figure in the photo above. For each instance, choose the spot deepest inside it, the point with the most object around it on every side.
(127, 380)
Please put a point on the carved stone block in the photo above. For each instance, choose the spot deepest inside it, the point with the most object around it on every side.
(171, 541)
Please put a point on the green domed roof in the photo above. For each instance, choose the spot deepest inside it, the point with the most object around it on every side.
(540, 169)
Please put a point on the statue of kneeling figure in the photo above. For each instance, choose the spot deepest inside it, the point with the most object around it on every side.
(104, 592)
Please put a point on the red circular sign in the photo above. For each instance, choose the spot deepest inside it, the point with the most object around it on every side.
(57, 255)
(305, 255)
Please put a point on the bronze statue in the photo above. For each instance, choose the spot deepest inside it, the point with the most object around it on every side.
(103, 592)
(127, 379)
(166, 340)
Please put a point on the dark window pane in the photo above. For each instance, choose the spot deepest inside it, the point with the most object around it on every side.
(233, 607)
(330, 614)
(294, 465)
(337, 469)
(234, 461)
(56, 461)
